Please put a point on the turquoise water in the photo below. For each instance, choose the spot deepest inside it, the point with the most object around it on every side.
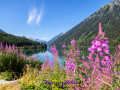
(41, 54)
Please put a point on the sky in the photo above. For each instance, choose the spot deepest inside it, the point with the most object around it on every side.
(44, 19)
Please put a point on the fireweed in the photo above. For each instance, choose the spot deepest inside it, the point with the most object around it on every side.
(13, 60)
(99, 70)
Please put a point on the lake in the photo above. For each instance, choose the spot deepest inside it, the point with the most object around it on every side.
(41, 54)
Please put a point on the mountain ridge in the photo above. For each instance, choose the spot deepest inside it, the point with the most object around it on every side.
(2, 31)
(86, 30)
(54, 38)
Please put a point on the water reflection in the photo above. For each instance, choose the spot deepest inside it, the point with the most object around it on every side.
(42, 53)
(30, 52)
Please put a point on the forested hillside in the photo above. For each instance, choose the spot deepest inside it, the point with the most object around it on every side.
(85, 32)
(1, 31)
(18, 41)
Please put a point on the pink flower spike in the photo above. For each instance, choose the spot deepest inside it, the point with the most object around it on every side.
(97, 43)
(68, 54)
(106, 51)
(101, 54)
(60, 66)
(71, 54)
(73, 42)
(13, 46)
(99, 49)
(73, 59)
(78, 52)
(39, 72)
(100, 29)
(64, 46)
(47, 59)
(83, 57)
(117, 89)
(89, 49)
(119, 46)
(6, 46)
(1, 53)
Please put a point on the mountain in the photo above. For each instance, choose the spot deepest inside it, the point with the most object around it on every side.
(54, 38)
(85, 32)
(37, 40)
(2, 31)
(19, 41)
(40, 41)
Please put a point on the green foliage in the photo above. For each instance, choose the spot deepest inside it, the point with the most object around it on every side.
(11, 62)
(6, 75)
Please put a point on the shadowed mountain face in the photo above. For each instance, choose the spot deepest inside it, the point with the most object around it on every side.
(85, 32)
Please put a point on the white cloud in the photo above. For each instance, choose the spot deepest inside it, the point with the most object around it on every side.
(32, 15)
(38, 19)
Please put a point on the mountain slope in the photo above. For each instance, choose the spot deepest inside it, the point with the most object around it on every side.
(18, 41)
(55, 38)
(2, 31)
(85, 32)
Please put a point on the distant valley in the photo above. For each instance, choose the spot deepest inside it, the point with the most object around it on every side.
(46, 42)
(22, 41)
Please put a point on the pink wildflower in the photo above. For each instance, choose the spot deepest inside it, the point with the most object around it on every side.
(70, 66)
(73, 59)
(13, 46)
(68, 54)
(78, 52)
(118, 46)
(83, 57)
(73, 43)
(60, 66)
(71, 54)
(34, 60)
(1, 46)
(99, 49)
(1, 53)
(47, 59)
(6, 46)
(54, 51)
(64, 46)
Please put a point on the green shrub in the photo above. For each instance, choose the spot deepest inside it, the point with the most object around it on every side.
(7, 75)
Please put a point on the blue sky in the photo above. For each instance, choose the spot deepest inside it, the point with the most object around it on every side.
(44, 19)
